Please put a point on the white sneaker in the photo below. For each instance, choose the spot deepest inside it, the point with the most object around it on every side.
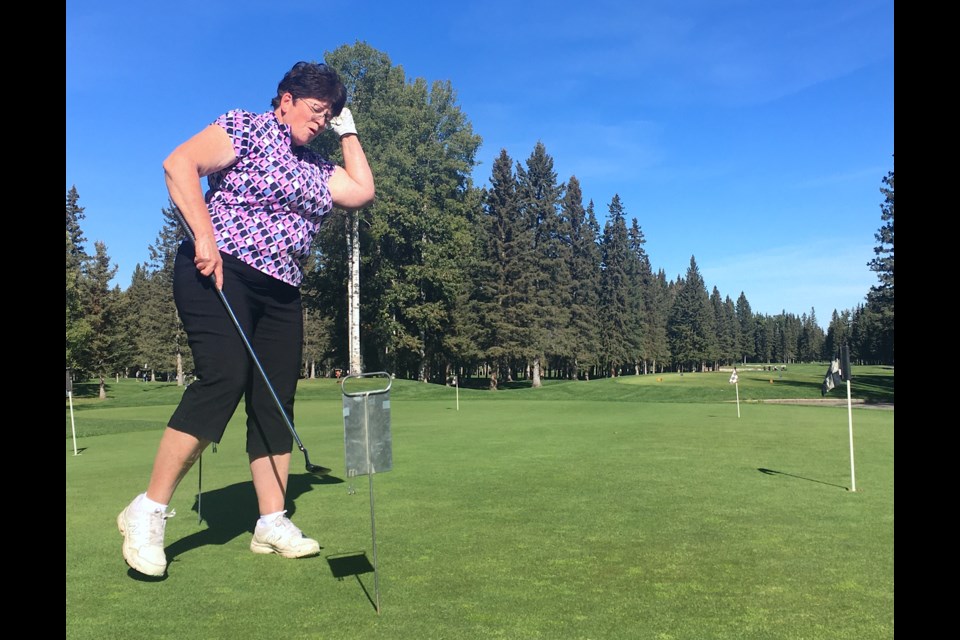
(283, 537)
(143, 539)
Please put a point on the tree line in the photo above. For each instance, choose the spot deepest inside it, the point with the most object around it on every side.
(513, 280)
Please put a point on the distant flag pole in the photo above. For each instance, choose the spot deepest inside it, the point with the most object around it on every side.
(845, 358)
(73, 426)
(456, 383)
(735, 381)
(837, 372)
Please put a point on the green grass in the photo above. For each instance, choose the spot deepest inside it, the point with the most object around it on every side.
(625, 508)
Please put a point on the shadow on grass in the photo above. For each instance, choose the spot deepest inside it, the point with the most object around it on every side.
(354, 564)
(874, 388)
(86, 390)
(772, 472)
(232, 511)
(140, 577)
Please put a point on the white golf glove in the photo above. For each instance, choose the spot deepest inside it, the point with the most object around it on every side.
(343, 124)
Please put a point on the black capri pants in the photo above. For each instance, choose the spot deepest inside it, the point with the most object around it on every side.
(270, 313)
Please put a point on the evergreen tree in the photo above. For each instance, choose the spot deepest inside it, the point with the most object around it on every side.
(548, 284)
(639, 277)
(508, 291)
(162, 341)
(125, 346)
(77, 327)
(497, 338)
(78, 331)
(763, 337)
(136, 299)
(727, 330)
(77, 254)
(811, 338)
(868, 332)
(691, 323)
(584, 277)
(716, 344)
(880, 297)
(615, 290)
(102, 307)
(788, 329)
(748, 352)
(660, 297)
(838, 334)
(732, 329)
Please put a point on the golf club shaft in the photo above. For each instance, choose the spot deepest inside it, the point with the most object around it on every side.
(252, 354)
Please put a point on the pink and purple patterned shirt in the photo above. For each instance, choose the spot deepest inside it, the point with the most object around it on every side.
(267, 207)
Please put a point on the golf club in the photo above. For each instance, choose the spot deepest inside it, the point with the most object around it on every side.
(312, 468)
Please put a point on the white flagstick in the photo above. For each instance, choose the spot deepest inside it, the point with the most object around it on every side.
(456, 383)
(853, 478)
(73, 427)
(737, 385)
(735, 380)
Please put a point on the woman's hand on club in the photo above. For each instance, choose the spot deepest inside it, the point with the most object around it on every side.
(208, 259)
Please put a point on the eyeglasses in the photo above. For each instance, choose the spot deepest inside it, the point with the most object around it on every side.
(319, 114)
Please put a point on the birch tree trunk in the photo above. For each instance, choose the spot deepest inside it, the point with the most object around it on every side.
(353, 290)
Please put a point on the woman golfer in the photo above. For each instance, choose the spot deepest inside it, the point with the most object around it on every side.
(268, 194)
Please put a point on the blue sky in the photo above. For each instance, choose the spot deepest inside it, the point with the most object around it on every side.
(749, 134)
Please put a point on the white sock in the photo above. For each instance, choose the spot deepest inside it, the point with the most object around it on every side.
(146, 504)
(270, 518)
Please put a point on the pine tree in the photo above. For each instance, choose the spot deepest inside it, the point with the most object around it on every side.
(77, 328)
(691, 325)
(546, 282)
(585, 283)
(838, 334)
(162, 341)
(102, 308)
(731, 332)
(639, 277)
(463, 337)
(494, 231)
(506, 252)
(75, 239)
(727, 336)
(136, 301)
(747, 328)
(811, 338)
(763, 337)
(867, 336)
(880, 297)
(660, 299)
(615, 290)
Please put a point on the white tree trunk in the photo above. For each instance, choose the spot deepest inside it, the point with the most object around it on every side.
(536, 373)
(353, 290)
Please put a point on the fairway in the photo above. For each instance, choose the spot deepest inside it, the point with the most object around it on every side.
(617, 508)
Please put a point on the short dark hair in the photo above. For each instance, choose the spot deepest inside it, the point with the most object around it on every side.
(313, 80)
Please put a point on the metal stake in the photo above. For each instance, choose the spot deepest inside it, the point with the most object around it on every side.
(377, 453)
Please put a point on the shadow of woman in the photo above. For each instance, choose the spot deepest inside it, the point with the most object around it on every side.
(232, 511)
